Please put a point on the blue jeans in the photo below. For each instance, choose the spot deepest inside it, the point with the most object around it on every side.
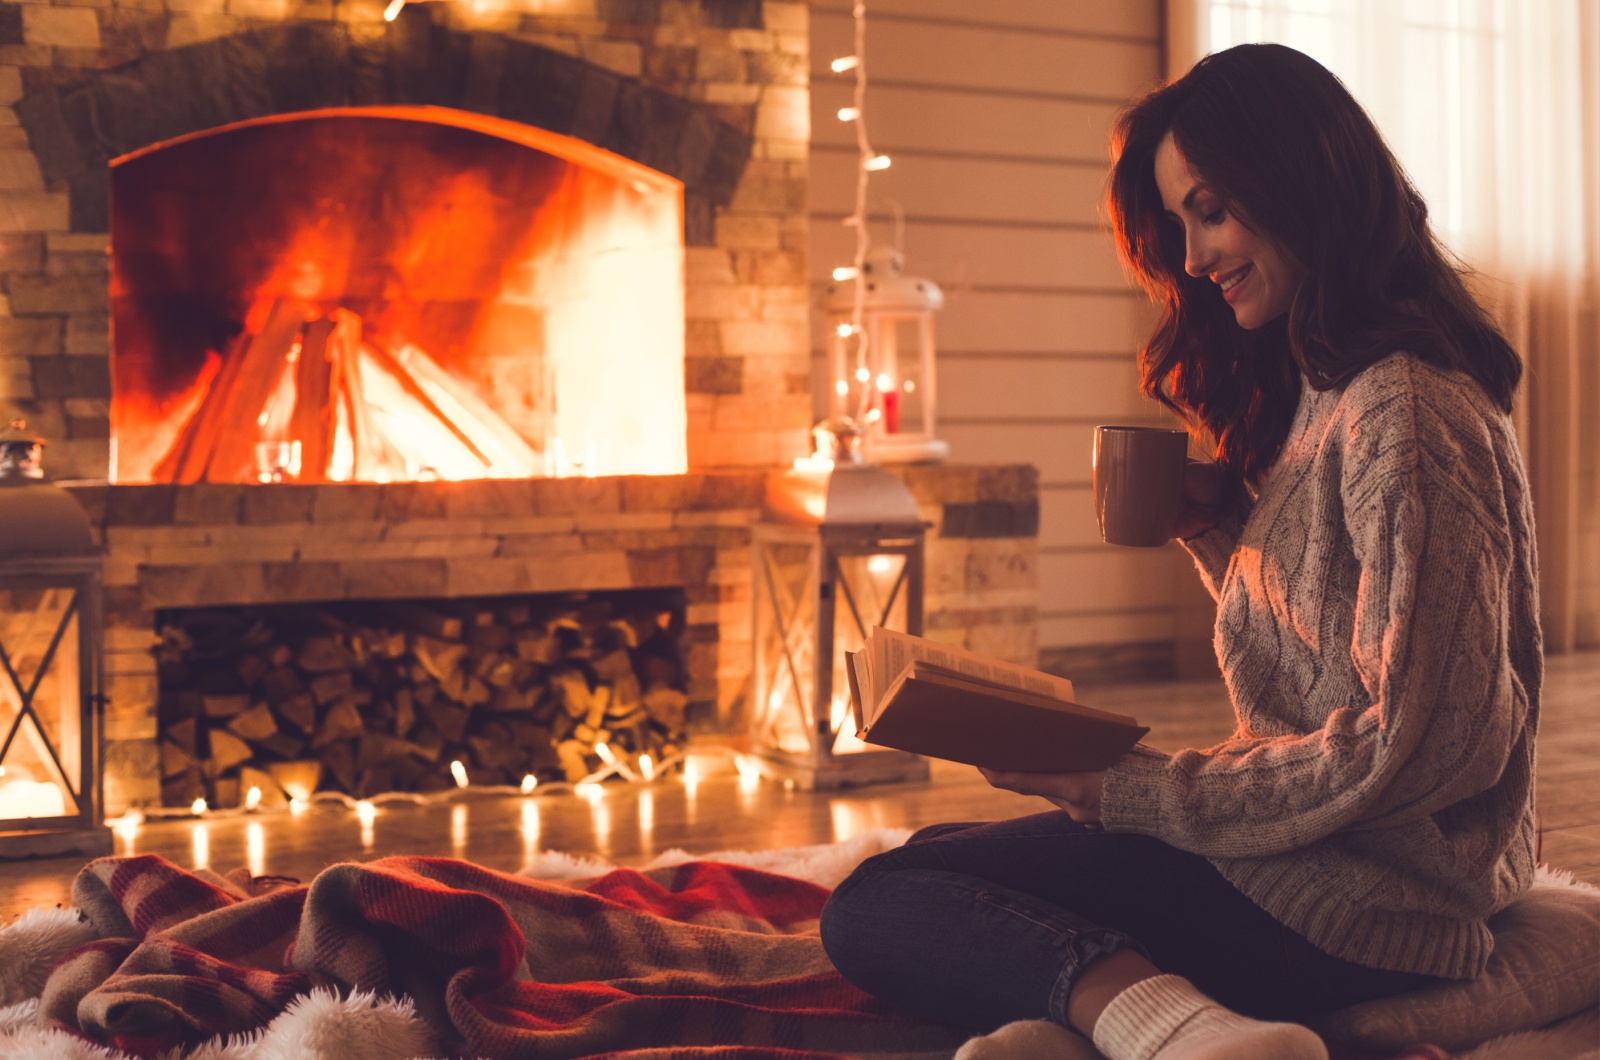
(981, 924)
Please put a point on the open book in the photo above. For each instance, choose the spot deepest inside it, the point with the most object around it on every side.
(932, 699)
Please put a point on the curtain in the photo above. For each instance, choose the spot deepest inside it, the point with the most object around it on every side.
(1493, 107)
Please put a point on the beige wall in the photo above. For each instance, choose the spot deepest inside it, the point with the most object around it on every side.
(997, 117)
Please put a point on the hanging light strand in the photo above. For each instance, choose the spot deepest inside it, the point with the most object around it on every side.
(858, 218)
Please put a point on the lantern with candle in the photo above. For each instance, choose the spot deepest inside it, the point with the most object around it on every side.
(50, 671)
(883, 376)
(839, 549)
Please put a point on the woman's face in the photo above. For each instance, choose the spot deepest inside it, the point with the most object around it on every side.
(1256, 278)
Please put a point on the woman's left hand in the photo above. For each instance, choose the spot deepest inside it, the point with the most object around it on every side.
(1077, 793)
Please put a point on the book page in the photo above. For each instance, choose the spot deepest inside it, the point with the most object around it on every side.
(894, 652)
(855, 677)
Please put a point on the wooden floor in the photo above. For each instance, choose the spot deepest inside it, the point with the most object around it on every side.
(631, 824)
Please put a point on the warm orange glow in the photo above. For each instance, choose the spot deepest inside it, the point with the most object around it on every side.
(31, 798)
(412, 297)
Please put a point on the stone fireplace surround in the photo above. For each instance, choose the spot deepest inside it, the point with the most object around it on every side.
(711, 92)
(213, 545)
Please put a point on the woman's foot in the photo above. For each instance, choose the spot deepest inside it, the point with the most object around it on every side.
(1166, 1018)
(1029, 1040)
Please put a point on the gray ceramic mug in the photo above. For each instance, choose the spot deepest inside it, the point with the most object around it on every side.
(1138, 483)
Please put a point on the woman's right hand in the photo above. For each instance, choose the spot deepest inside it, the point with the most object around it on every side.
(1202, 498)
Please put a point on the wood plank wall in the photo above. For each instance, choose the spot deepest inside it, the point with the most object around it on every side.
(997, 117)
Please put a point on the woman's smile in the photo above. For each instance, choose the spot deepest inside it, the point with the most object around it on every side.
(1256, 277)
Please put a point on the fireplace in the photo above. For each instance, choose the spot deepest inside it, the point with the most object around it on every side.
(691, 116)
(389, 294)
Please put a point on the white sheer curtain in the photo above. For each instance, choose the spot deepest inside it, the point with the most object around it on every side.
(1493, 107)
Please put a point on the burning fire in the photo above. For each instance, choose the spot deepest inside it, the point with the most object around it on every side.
(421, 321)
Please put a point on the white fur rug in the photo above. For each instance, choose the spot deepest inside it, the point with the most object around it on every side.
(322, 1026)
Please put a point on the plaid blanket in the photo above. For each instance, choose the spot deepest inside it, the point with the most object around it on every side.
(700, 959)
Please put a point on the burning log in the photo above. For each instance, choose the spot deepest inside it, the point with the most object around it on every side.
(307, 398)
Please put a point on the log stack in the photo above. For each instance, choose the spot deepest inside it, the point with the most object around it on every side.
(365, 698)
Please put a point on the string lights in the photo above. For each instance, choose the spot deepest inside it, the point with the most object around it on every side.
(646, 772)
(868, 162)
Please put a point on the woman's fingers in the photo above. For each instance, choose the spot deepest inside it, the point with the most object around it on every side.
(1077, 793)
(1202, 498)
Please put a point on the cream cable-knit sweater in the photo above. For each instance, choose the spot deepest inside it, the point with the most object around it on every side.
(1378, 629)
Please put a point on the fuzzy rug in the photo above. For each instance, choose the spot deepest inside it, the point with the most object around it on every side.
(344, 1011)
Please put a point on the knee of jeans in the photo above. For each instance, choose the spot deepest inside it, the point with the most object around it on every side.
(835, 926)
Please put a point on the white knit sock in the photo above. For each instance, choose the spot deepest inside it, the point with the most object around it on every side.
(1166, 1018)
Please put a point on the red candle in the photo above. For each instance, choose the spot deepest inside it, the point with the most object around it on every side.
(891, 411)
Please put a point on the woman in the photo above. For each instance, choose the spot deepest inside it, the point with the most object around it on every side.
(1366, 531)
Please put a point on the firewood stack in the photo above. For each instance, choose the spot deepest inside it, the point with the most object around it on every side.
(383, 696)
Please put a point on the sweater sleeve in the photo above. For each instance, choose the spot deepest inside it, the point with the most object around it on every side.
(1428, 644)
(1213, 549)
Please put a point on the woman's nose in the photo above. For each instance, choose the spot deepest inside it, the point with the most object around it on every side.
(1198, 256)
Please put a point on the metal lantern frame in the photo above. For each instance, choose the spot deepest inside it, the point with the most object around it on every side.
(803, 594)
(81, 831)
(45, 545)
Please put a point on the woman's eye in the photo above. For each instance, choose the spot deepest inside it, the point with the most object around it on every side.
(1216, 217)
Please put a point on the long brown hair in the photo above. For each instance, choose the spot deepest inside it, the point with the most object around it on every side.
(1297, 160)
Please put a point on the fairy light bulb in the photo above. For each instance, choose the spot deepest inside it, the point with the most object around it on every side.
(842, 388)
(647, 767)
(392, 12)
(885, 384)
(877, 163)
(844, 272)
(197, 807)
(849, 113)
(863, 375)
(252, 798)
(844, 331)
(459, 771)
(844, 64)
(529, 782)
(366, 812)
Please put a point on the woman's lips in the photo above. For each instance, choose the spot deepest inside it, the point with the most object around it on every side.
(1231, 291)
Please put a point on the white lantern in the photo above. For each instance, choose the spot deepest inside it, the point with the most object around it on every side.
(889, 386)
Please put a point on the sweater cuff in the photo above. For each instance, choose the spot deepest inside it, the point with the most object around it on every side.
(1213, 549)
(1130, 799)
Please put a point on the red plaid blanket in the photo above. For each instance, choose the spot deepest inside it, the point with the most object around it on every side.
(705, 958)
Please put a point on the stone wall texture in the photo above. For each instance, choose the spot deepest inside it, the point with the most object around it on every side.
(712, 92)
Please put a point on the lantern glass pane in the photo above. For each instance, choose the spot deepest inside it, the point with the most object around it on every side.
(899, 357)
(785, 637)
(872, 592)
(40, 703)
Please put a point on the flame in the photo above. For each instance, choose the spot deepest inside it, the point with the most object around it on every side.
(483, 326)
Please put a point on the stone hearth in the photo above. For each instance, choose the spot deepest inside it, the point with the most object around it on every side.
(212, 545)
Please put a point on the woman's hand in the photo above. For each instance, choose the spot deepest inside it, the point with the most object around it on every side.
(1202, 498)
(1077, 793)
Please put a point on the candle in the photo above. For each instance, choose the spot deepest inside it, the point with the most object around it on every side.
(891, 404)
(31, 798)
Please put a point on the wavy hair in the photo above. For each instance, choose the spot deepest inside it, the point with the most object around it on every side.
(1295, 158)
